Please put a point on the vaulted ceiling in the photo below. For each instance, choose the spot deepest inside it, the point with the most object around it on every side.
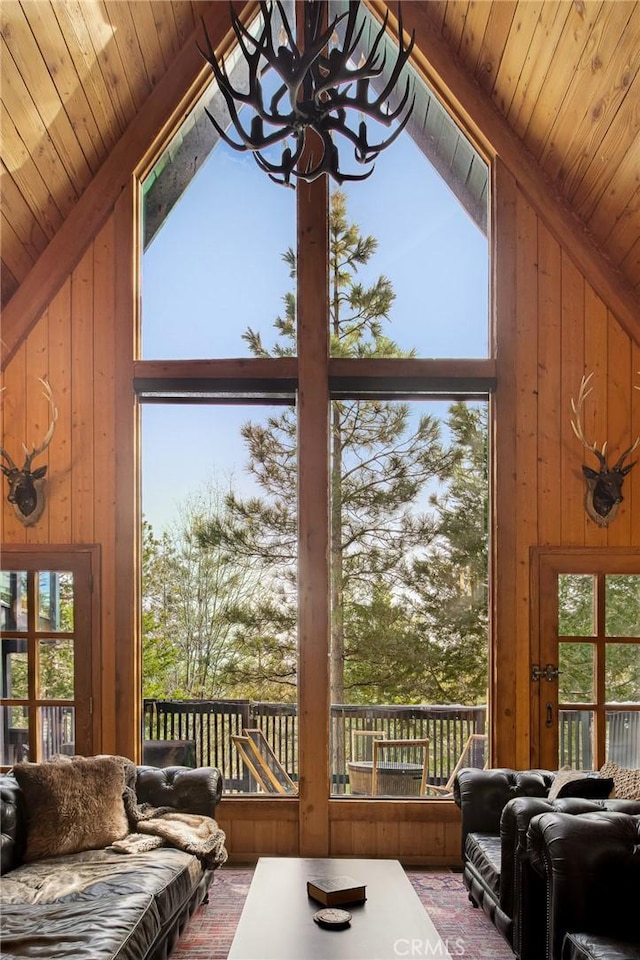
(563, 75)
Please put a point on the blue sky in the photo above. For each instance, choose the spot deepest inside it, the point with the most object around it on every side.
(216, 267)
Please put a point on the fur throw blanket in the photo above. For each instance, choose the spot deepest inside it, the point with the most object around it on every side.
(164, 826)
(191, 832)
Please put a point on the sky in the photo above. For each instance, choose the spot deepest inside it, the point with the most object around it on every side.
(216, 268)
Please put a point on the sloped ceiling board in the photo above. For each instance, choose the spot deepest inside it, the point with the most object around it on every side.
(477, 113)
(168, 101)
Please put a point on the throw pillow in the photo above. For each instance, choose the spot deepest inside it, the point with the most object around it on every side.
(591, 787)
(625, 779)
(72, 806)
(562, 778)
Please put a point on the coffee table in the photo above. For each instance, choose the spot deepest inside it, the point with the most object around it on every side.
(277, 920)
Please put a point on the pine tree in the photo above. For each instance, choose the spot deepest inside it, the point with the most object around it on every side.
(382, 459)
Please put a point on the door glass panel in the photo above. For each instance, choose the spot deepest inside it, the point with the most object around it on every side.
(14, 735)
(55, 670)
(575, 739)
(576, 606)
(623, 737)
(13, 600)
(576, 681)
(622, 605)
(14, 669)
(57, 726)
(55, 601)
(622, 673)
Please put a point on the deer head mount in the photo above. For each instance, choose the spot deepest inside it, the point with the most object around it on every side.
(604, 486)
(26, 486)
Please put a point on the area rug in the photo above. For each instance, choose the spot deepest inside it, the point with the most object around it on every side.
(467, 932)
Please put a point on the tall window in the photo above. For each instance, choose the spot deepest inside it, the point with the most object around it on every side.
(407, 458)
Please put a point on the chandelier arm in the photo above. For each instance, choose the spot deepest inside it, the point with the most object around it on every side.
(373, 108)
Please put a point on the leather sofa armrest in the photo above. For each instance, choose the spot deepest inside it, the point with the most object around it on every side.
(189, 790)
(517, 815)
(591, 870)
(14, 823)
(483, 794)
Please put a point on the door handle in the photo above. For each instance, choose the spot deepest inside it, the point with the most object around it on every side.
(549, 721)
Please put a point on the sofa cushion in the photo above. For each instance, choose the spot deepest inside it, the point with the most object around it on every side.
(165, 874)
(585, 946)
(482, 850)
(72, 806)
(111, 928)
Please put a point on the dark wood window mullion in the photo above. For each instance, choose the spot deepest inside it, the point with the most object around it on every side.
(600, 713)
(32, 662)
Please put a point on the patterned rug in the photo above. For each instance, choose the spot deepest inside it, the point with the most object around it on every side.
(467, 931)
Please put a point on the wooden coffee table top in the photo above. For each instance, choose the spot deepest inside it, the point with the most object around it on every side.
(277, 920)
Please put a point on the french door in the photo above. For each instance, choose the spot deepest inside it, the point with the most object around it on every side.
(48, 629)
(585, 672)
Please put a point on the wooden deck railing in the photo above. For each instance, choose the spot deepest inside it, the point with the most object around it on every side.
(211, 723)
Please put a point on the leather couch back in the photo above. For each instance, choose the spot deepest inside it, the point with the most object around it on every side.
(14, 823)
(189, 790)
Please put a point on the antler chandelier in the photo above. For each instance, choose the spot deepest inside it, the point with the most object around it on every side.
(321, 89)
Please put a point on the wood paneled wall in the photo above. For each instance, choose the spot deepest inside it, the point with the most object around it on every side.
(550, 327)
(72, 345)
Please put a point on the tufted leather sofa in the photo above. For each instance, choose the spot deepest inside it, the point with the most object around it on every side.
(590, 869)
(99, 904)
(497, 807)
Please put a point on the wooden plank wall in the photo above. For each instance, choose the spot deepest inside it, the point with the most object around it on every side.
(551, 326)
(72, 345)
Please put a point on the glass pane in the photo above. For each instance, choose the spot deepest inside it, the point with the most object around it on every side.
(55, 680)
(622, 673)
(228, 221)
(577, 664)
(408, 582)
(13, 600)
(622, 605)
(576, 605)
(219, 581)
(575, 739)
(410, 279)
(14, 669)
(55, 601)
(623, 737)
(57, 731)
(14, 735)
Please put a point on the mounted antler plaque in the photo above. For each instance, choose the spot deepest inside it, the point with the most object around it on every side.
(26, 486)
(604, 486)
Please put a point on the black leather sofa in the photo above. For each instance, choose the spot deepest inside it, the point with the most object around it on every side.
(97, 903)
(589, 867)
(497, 807)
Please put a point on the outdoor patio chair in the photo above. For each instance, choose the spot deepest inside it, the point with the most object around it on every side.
(262, 763)
(474, 754)
(399, 767)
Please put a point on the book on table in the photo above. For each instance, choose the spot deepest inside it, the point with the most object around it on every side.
(336, 890)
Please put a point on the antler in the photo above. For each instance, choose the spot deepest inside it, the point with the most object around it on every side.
(576, 425)
(312, 81)
(36, 451)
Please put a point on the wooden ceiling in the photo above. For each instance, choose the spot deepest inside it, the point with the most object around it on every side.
(564, 75)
